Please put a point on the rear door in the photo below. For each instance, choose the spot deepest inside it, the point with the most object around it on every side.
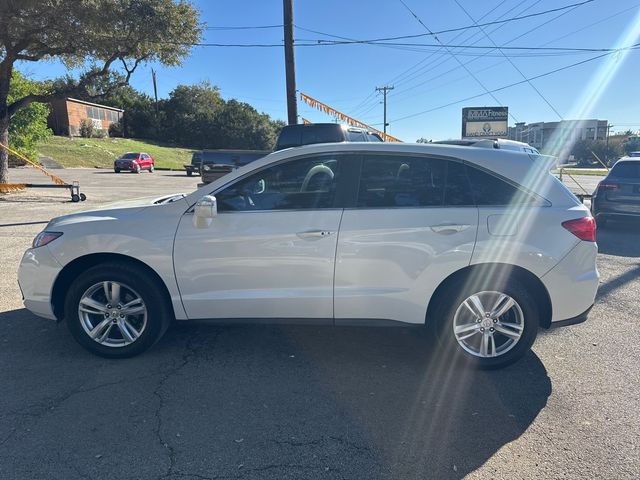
(413, 224)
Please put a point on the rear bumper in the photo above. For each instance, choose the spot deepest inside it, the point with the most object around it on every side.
(573, 283)
(572, 321)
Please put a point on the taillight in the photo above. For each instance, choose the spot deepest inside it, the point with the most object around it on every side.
(584, 228)
(602, 186)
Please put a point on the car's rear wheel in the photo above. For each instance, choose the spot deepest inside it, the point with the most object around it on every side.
(116, 311)
(117, 170)
(488, 324)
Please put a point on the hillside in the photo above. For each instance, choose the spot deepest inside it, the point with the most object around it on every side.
(101, 152)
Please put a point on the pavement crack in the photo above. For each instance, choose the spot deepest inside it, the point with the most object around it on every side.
(190, 351)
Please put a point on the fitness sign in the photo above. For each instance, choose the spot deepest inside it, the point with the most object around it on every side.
(487, 122)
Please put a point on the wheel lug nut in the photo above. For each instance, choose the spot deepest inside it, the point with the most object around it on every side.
(495, 320)
(481, 329)
(492, 329)
(109, 305)
(122, 315)
(119, 306)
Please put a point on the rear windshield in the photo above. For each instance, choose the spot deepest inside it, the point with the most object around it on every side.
(626, 170)
(130, 156)
(294, 136)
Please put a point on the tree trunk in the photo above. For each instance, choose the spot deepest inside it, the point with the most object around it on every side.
(4, 154)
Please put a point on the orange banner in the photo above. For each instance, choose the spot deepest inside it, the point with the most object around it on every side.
(54, 179)
(312, 102)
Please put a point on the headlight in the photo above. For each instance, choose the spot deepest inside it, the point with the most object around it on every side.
(206, 167)
(45, 237)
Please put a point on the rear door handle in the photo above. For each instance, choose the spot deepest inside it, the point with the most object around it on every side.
(314, 234)
(449, 228)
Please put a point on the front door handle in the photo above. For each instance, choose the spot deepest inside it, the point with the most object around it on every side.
(449, 228)
(314, 234)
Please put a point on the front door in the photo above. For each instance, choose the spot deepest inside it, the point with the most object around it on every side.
(270, 251)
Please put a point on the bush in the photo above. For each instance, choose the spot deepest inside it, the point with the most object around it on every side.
(101, 133)
(86, 128)
(115, 130)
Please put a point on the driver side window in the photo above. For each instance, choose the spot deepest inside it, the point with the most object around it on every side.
(308, 183)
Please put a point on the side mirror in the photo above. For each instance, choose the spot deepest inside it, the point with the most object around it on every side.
(204, 211)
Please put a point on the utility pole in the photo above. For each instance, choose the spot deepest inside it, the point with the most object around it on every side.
(384, 91)
(289, 62)
(155, 89)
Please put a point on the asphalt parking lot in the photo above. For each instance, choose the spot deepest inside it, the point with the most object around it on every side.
(258, 402)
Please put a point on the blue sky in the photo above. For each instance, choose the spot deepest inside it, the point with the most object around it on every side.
(345, 76)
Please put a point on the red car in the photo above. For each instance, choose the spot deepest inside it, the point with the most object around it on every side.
(134, 162)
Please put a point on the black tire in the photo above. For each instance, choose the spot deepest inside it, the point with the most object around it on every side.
(443, 320)
(83, 197)
(151, 169)
(159, 311)
(136, 169)
(75, 198)
(189, 173)
(116, 170)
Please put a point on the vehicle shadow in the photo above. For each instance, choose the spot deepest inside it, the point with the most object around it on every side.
(619, 239)
(259, 402)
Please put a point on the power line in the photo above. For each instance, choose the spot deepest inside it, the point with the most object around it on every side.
(258, 27)
(566, 67)
(510, 61)
(484, 54)
(449, 30)
(457, 59)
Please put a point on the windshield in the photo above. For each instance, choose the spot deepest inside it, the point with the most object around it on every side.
(130, 156)
(630, 170)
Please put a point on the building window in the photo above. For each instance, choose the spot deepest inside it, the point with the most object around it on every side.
(94, 113)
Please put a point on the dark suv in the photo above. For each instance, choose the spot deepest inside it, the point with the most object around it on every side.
(306, 134)
(618, 194)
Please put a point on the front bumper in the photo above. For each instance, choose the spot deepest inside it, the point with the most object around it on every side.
(36, 275)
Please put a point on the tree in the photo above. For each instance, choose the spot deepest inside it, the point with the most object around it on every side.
(422, 140)
(95, 37)
(29, 125)
(631, 146)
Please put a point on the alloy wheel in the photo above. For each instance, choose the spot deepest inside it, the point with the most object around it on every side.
(488, 324)
(112, 314)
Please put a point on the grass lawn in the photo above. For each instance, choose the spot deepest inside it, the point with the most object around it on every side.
(101, 152)
(585, 171)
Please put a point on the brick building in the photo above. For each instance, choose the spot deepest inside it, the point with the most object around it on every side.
(67, 113)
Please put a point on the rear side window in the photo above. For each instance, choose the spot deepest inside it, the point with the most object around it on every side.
(457, 189)
(488, 189)
(355, 136)
(626, 170)
(402, 181)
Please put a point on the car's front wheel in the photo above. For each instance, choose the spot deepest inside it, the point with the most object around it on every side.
(116, 310)
(488, 324)
(151, 168)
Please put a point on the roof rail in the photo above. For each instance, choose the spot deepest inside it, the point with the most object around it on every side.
(482, 142)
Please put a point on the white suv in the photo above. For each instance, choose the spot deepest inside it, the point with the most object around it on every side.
(480, 245)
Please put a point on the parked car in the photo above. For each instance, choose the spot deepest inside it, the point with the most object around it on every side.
(227, 159)
(311, 133)
(617, 196)
(134, 162)
(216, 163)
(498, 143)
(480, 246)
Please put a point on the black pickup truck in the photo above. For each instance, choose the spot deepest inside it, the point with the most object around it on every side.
(212, 164)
